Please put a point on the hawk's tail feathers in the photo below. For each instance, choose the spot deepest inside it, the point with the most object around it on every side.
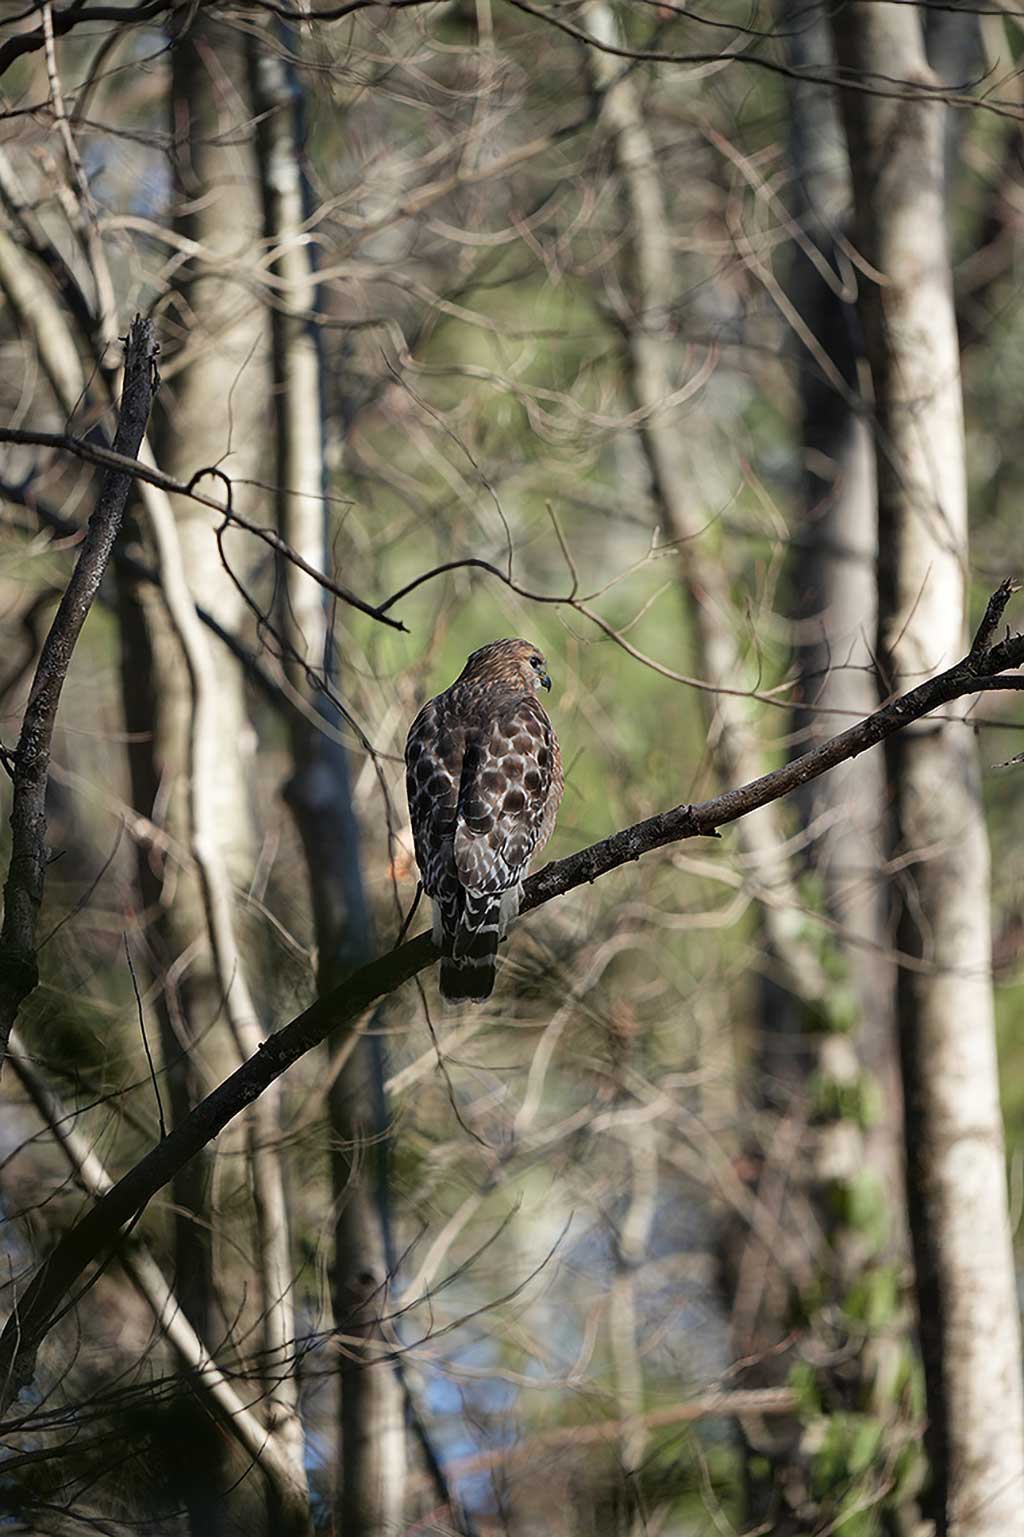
(467, 975)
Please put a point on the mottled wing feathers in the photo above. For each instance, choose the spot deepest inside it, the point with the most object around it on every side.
(504, 811)
(433, 759)
(484, 780)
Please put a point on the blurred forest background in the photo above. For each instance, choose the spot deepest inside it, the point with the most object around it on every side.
(704, 1222)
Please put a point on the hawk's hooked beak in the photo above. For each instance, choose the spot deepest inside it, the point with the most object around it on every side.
(545, 681)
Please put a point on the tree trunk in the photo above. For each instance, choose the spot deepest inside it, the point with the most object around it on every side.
(158, 694)
(956, 1189)
(807, 1157)
(214, 414)
(372, 1435)
(835, 598)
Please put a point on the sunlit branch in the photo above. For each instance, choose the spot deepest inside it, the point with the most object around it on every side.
(983, 668)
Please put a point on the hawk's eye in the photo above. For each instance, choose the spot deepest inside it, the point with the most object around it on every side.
(536, 661)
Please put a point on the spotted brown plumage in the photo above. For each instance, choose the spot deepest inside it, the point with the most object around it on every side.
(484, 780)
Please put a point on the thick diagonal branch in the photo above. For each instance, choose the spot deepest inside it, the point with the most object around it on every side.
(97, 1234)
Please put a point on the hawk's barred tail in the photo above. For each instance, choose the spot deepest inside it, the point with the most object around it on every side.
(467, 976)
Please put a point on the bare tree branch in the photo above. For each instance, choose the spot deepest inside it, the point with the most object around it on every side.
(867, 82)
(75, 15)
(256, 670)
(565, 1439)
(97, 1234)
(95, 453)
(23, 890)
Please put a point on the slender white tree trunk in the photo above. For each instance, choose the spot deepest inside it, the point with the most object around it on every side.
(795, 1040)
(215, 414)
(966, 1288)
(371, 1463)
(651, 357)
(835, 596)
(176, 699)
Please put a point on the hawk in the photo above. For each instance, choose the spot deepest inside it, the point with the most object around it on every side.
(484, 781)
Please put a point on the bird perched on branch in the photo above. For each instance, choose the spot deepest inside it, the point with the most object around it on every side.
(484, 781)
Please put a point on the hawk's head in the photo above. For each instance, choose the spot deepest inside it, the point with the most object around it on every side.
(515, 663)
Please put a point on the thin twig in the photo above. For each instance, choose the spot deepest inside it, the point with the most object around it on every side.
(87, 895)
(113, 458)
(410, 915)
(87, 219)
(272, 538)
(24, 495)
(145, 1038)
(994, 610)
